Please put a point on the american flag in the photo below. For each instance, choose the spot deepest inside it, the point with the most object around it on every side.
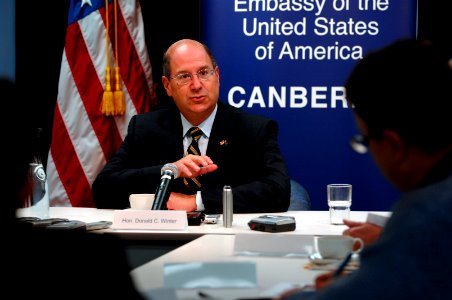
(83, 138)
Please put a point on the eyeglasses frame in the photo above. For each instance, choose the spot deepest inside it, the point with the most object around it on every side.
(360, 143)
(177, 77)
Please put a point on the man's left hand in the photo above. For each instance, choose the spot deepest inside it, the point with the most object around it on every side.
(178, 201)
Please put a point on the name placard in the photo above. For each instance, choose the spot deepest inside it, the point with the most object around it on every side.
(150, 219)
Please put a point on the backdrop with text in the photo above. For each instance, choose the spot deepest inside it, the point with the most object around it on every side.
(289, 59)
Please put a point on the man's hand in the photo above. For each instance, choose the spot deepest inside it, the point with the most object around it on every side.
(321, 281)
(178, 201)
(368, 232)
(195, 165)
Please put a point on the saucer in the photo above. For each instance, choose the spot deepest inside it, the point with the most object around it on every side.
(317, 259)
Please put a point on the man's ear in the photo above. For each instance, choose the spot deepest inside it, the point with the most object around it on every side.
(395, 144)
(166, 83)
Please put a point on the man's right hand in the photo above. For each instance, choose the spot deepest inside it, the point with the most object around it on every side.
(191, 166)
(368, 232)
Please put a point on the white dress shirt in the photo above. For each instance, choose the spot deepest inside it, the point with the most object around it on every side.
(203, 141)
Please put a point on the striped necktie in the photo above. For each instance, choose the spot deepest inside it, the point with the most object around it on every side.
(195, 132)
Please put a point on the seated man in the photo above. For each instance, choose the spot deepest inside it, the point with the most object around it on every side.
(225, 147)
(401, 97)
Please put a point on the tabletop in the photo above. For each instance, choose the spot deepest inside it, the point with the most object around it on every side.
(307, 223)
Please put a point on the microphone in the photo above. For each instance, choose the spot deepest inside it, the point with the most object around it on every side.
(169, 172)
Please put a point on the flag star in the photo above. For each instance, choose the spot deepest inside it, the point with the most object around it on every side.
(86, 1)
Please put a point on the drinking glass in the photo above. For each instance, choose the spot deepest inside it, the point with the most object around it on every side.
(339, 201)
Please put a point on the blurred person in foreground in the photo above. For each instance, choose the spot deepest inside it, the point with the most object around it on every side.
(51, 264)
(236, 148)
(401, 97)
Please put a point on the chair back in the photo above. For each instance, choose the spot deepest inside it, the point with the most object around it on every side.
(299, 197)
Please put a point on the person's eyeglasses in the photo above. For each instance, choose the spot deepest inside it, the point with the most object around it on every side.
(184, 78)
(360, 143)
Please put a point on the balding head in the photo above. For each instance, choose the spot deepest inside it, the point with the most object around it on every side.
(181, 46)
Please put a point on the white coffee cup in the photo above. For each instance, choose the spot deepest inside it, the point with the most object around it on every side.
(337, 247)
(141, 201)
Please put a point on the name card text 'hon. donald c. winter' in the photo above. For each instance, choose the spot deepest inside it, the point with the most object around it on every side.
(150, 219)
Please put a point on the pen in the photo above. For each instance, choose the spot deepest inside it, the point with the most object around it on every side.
(343, 264)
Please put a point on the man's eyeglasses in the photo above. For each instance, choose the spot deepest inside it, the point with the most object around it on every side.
(360, 143)
(184, 78)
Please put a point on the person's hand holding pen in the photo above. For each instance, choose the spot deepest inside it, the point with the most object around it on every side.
(324, 280)
(321, 281)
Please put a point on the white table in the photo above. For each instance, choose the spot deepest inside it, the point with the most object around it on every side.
(307, 223)
(271, 271)
(145, 245)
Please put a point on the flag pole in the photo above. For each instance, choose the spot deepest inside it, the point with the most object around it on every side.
(107, 99)
(118, 94)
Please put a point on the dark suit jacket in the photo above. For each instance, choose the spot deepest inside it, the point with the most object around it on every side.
(244, 146)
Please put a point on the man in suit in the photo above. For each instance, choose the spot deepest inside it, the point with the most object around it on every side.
(401, 97)
(237, 148)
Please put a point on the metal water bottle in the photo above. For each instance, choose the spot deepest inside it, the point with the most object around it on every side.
(227, 206)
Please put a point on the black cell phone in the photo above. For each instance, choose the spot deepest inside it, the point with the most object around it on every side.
(195, 218)
(98, 225)
(68, 225)
(27, 219)
(272, 223)
(40, 223)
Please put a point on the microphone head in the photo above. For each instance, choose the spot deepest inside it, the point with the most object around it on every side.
(170, 168)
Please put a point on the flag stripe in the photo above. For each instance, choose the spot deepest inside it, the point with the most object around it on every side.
(130, 66)
(135, 27)
(90, 89)
(59, 193)
(95, 43)
(76, 186)
(83, 138)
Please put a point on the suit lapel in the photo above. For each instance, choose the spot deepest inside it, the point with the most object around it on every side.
(219, 140)
(173, 124)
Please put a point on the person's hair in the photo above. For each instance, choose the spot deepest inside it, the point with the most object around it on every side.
(166, 60)
(405, 87)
